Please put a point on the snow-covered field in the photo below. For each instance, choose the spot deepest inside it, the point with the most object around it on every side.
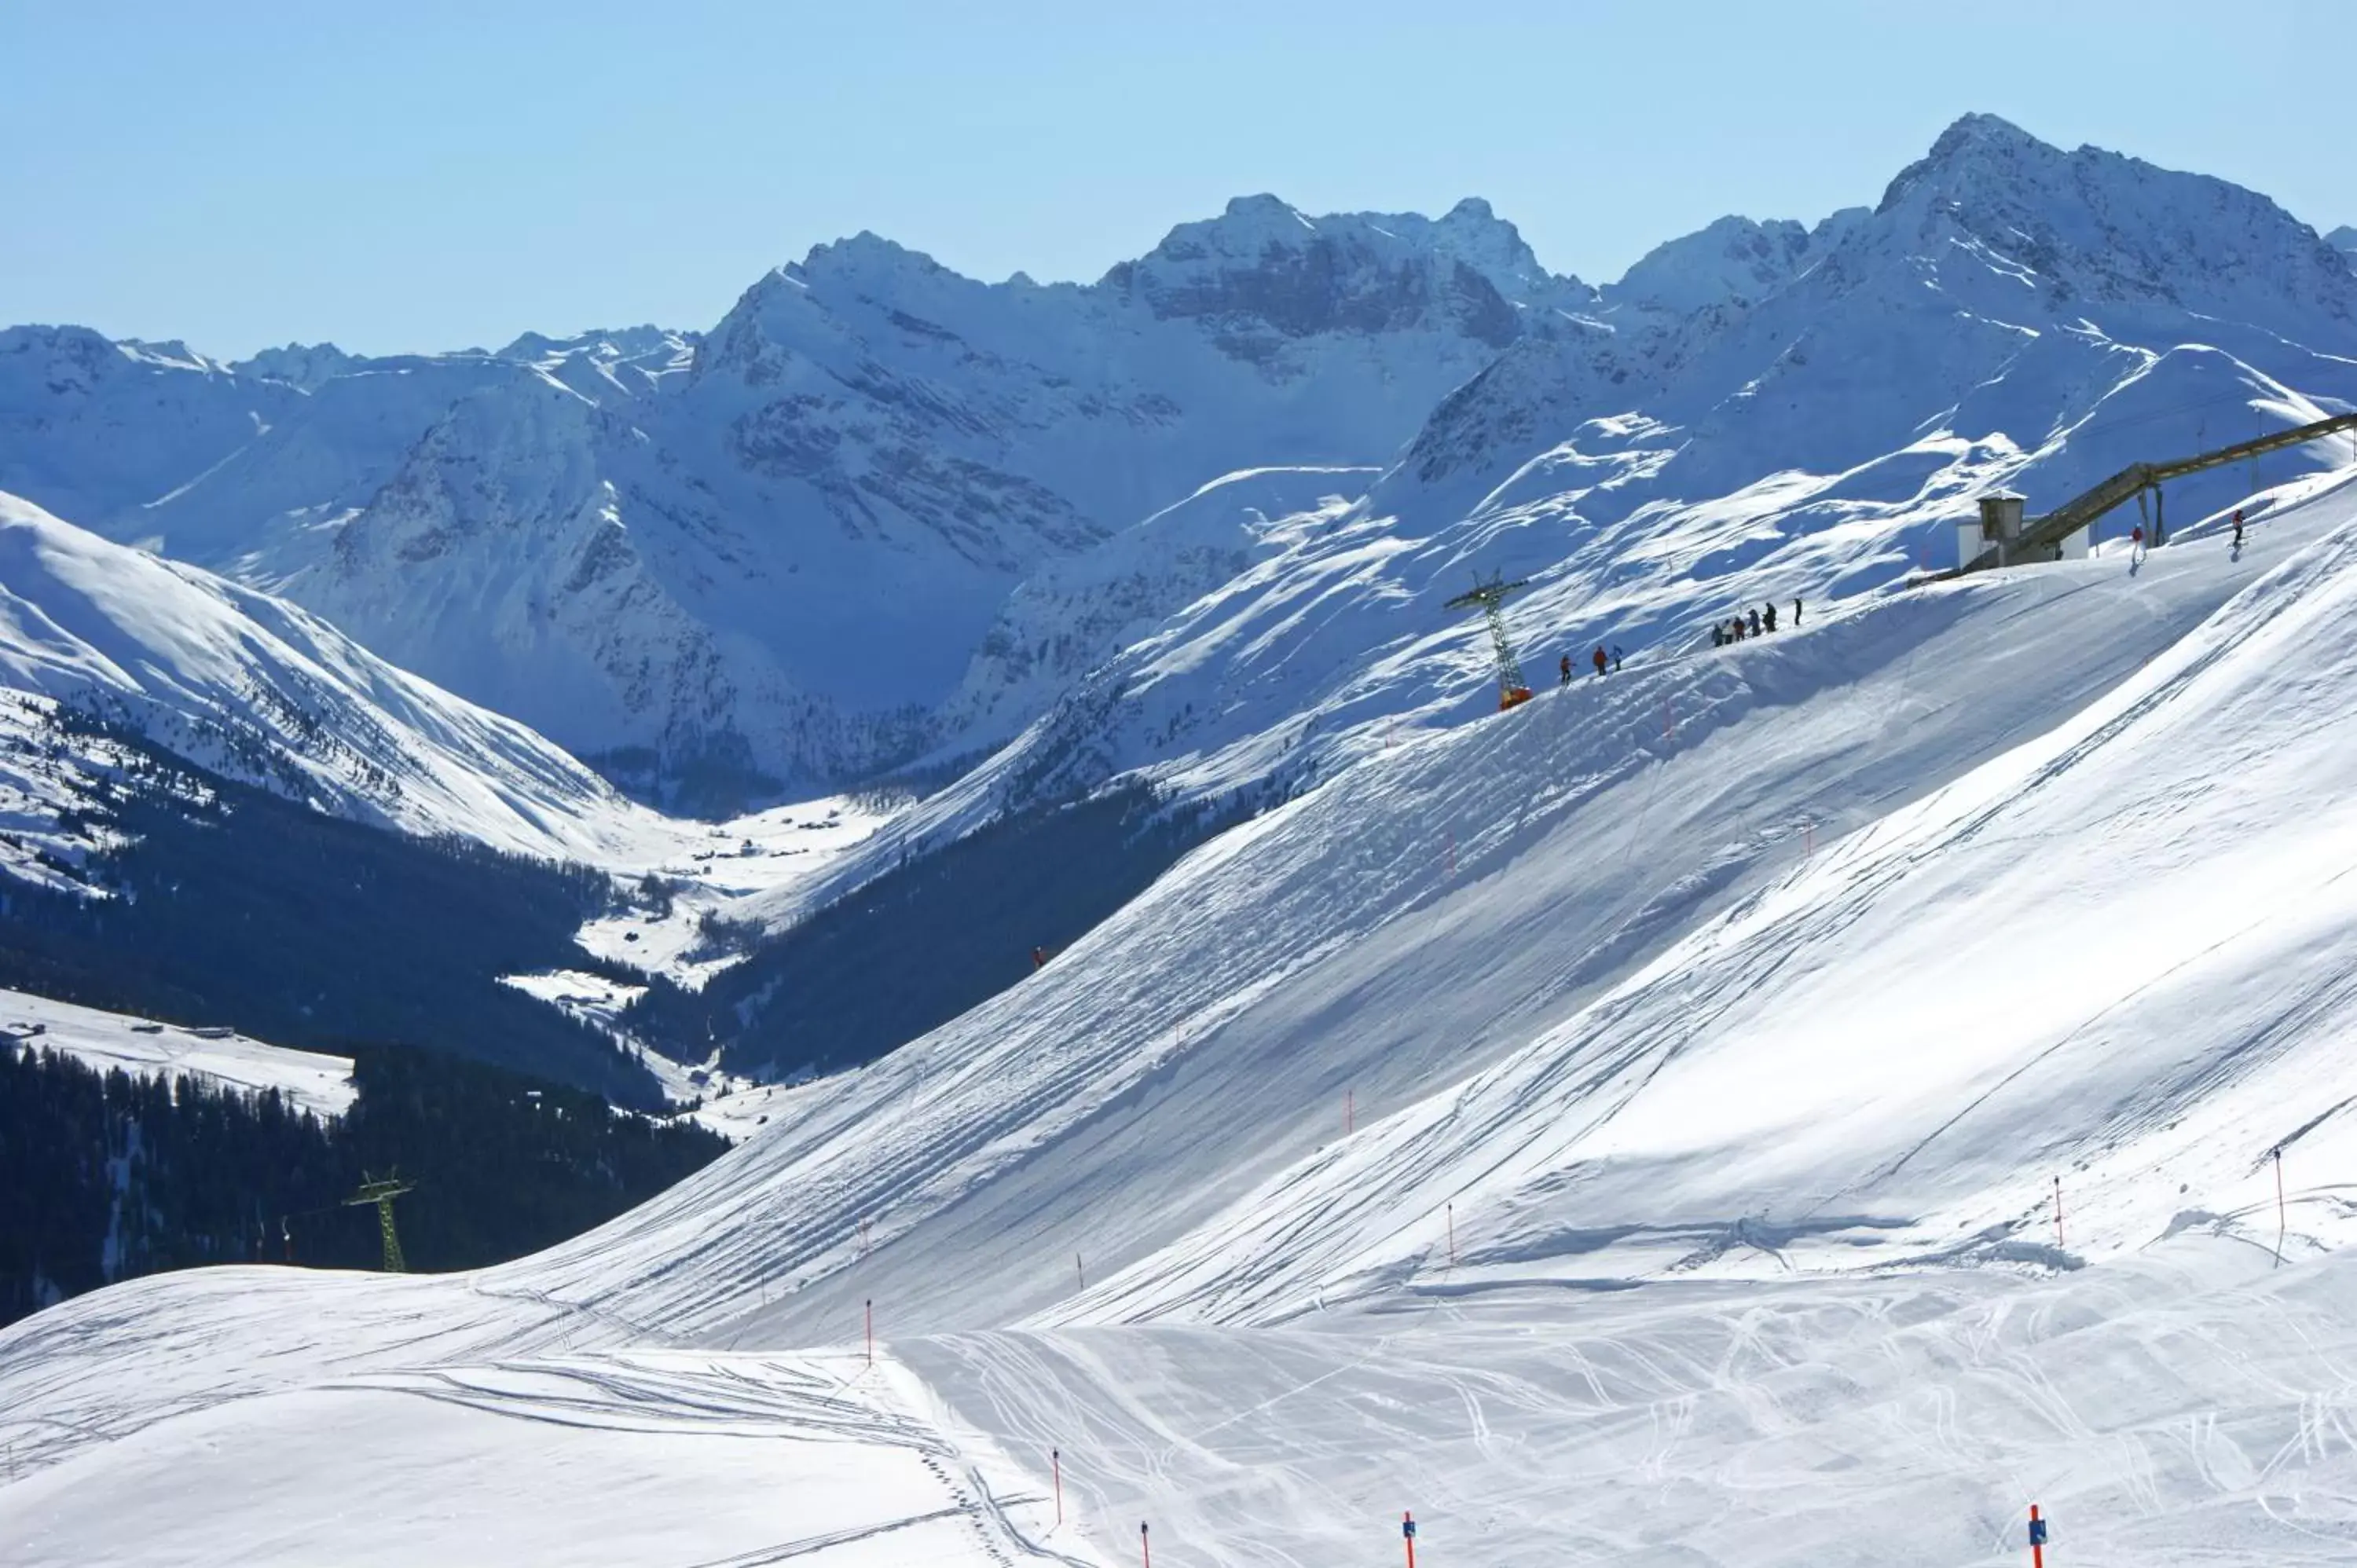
(2192, 1405)
(310, 1079)
(1711, 1040)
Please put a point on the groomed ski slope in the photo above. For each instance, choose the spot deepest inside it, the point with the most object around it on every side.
(1786, 1017)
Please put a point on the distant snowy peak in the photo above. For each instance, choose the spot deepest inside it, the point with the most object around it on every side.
(2344, 240)
(75, 359)
(620, 342)
(94, 426)
(1262, 267)
(628, 362)
(307, 366)
(1734, 261)
(2097, 228)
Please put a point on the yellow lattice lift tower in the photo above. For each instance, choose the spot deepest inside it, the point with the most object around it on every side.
(382, 1192)
(1513, 690)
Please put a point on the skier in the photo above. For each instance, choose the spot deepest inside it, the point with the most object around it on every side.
(1038, 958)
(1717, 635)
(1616, 659)
(2238, 528)
(1755, 623)
(1796, 610)
(1565, 668)
(1769, 618)
(1599, 657)
(2136, 544)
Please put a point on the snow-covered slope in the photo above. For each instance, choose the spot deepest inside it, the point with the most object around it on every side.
(1064, 620)
(309, 1081)
(1680, 981)
(256, 689)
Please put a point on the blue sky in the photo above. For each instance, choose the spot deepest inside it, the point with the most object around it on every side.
(433, 175)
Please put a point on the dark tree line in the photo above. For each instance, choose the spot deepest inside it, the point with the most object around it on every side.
(228, 905)
(107, 1176)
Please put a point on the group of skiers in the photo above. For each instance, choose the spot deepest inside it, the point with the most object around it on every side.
(1757, 622)
(1601, 659)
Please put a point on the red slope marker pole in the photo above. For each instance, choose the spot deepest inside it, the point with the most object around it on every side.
(1407, 1530)
(1350, 1111)
(2058, 1211)
(1056, 1457)
(2037, 1539)
(1452, 1259)
(1080, 1271)
(1145, 1547)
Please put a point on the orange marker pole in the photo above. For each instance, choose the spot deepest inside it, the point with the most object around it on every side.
(2037, 1539)
(1145, 1548)
(1407, 1530)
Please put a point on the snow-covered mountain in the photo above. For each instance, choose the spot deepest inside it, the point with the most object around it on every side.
(259, 691)
(776, 554)
(1755, 412)
(821, 539)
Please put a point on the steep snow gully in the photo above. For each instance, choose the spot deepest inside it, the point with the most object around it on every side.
(1625, 1128)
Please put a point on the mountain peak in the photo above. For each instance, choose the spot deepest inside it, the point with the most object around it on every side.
(1968, 152)
(1266, 209)
(1983, 131)
(861, 258)
(1732, 260)
(309, 366)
